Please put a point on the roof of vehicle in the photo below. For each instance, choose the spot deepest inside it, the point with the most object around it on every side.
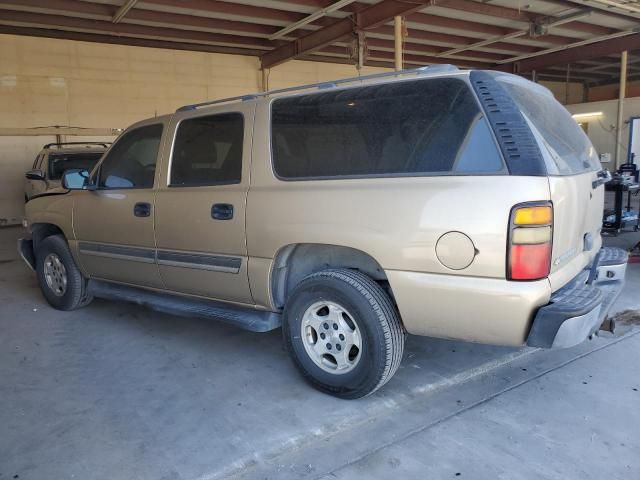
(422, 72)
(158, 119)
(76, 147)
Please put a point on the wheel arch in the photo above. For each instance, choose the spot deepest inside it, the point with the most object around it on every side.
(40, 231)
(294, 262)
(28, 246)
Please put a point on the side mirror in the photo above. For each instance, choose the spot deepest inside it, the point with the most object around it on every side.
(75, 179)
(35, 175)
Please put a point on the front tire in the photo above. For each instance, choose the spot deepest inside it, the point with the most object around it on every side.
(343, 333)
(60, 280)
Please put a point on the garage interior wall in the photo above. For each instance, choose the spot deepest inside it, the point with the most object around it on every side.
(566, 93)
(45, 82)
(602, 129)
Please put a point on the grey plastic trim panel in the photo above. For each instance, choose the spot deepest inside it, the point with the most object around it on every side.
(217, 263)
(577, 310)
(608, 273)
(135, 254)
(613, 256)
(515, 138)
(25, 249)
(576, 329)
(246, 318)
(201, 262)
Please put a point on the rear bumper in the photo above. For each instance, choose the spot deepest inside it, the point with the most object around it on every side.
(482, 310)
(577, 310)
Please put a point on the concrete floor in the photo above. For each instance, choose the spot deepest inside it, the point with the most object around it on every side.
(115, 391)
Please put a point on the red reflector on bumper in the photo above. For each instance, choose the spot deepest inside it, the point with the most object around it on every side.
(530, 262)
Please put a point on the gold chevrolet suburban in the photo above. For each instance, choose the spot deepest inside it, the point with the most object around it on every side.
(439, 202)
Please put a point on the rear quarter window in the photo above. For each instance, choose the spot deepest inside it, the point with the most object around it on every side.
(422, 127)
(568, 145)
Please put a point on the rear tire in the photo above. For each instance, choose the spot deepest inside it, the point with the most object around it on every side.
(343, 333)
(61, 282)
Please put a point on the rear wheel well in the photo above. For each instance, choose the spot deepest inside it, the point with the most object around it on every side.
(295, 262)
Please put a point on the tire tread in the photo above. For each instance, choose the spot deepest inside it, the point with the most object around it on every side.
(76, 283)
(386, 313)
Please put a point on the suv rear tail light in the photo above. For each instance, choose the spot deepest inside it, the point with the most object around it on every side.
(530, 236)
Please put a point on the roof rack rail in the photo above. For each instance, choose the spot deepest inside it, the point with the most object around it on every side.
(439, 68)
(59, 144)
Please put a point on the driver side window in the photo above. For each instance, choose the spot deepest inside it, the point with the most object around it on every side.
(131, 163)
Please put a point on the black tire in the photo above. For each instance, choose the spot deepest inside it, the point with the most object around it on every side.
(75, 294)
(381, 332)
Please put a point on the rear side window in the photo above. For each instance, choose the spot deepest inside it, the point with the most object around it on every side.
(60, 162)
(424, 127)
(208, 151)
(569, 146)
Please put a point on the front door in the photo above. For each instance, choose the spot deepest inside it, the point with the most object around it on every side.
(200, 207)
(114, 223)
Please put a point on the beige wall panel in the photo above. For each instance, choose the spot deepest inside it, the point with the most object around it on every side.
(559, 90)
(61, 82)
(8, 54)
(99, 50)
(15, 159)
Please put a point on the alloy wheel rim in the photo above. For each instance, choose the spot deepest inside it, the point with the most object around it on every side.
(331, 337)
(55, 274)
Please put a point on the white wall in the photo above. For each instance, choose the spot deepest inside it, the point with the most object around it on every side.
(601, 130)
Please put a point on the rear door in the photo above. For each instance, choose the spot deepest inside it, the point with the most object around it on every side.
(200, 207)
(576, 191)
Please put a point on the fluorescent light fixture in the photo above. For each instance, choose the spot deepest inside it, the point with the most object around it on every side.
(577, 116)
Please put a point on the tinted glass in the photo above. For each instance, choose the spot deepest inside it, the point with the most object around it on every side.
(208, 151)
(131, 162)
(567, 143)
(60, 162)
(75, 178)
(419, 127)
